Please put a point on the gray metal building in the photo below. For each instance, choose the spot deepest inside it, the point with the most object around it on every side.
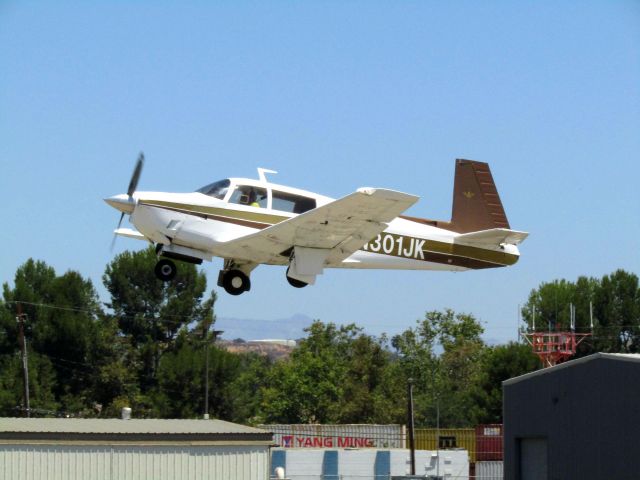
(66, 449)
(577, 420)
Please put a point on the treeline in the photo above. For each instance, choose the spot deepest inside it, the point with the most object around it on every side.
(145, 348)
(608, 307)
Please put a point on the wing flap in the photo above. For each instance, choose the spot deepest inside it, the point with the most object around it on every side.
(341, 227)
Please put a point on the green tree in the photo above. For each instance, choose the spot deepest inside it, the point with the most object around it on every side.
(306, 388)
(181, 385)
(245, 390)
(441, 356)
(548, 306)
(364, 394)
(617, 312)
(499, 363)
(63, 321)
(149, 312)
(116, 382)
(614, 301)
(335, 375)
(42, 379)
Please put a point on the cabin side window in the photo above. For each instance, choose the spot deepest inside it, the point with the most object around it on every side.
(249, 196)
(217, 189)
(288, 202)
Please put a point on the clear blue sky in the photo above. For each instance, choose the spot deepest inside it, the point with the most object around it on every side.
(334, 95)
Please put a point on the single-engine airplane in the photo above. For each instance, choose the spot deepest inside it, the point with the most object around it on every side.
(250, 222)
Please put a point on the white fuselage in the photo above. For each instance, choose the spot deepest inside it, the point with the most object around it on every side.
(205, 223)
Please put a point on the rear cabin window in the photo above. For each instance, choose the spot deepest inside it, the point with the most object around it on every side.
(287, 202)
(217, 189)
(250, 196)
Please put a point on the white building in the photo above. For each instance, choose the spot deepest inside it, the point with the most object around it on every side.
(92, 449)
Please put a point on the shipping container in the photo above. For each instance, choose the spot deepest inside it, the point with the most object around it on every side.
(337, 436)
(446, 439)
(489, 442)
(489, 471)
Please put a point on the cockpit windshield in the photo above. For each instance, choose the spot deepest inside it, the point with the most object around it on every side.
(217, 189)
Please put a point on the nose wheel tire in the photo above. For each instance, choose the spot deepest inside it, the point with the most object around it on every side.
(166, 270)
(295, 283)
(235, 282)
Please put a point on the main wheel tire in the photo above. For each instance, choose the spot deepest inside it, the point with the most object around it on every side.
(295, 283)
(235, 282)
(166, 270)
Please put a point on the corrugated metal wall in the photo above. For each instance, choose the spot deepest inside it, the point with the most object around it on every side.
(489, 471)
(27, 462)
(70, 462)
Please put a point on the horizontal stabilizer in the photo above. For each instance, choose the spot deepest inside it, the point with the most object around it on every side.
(492, 237)
(129, 233)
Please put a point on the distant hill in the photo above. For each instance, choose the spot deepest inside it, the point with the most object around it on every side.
(252, 329)
(272, 350)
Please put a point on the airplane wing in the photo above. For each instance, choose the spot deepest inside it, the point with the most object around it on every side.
(492, 237)
(334, 231)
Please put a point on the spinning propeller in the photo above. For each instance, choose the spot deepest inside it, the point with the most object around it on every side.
(126, 203)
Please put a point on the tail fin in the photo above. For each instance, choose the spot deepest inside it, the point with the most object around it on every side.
(476, 203)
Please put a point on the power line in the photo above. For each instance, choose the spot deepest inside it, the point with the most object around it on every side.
(100, 312)
(97, 312)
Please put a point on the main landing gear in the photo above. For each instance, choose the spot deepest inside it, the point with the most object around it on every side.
(294, 282)
(234, 277)
(231, 278)
(234, 281)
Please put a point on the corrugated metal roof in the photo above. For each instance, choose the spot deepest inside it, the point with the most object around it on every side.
(625, 357)
(118, 426)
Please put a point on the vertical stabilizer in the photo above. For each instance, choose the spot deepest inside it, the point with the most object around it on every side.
(476, 203)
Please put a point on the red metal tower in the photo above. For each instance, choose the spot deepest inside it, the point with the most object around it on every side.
(555, 347)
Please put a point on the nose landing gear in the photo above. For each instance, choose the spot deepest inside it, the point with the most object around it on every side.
(166, 270)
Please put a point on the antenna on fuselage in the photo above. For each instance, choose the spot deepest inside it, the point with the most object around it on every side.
(261, 174)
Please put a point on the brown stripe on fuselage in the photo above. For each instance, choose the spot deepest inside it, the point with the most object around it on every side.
(421, 249)
(465, 262)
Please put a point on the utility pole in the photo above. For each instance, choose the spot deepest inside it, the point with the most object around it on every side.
(206, 368)
(412, 444)
(206, 326)
(206, 378)
(25, 365)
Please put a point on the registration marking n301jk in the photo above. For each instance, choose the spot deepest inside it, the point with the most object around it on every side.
(397, 245)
